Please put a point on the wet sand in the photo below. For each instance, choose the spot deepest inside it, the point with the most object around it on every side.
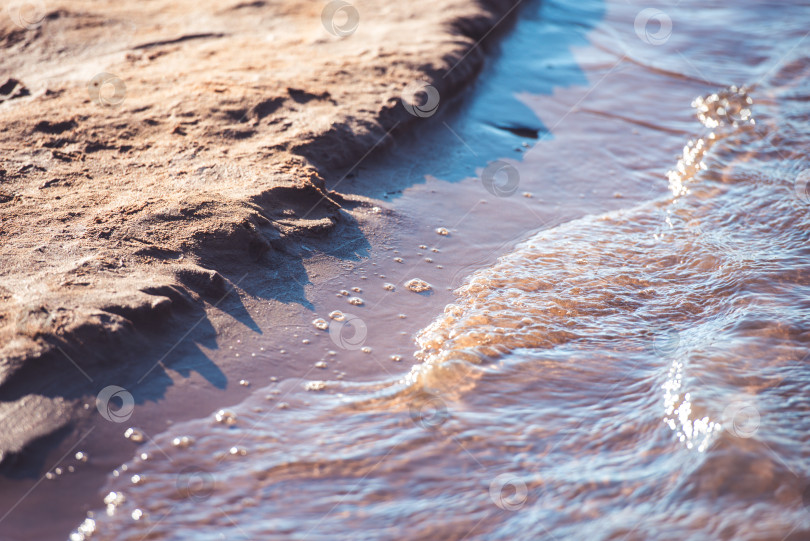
(164, 163)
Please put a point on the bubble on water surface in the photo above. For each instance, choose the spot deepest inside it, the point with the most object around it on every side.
(225, 417)
(183, 442)
(320, 323)
(418, 285)
(133, 434)
(85, 530)
(112, 501)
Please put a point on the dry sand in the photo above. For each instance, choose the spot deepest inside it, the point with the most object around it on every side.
(151, 149)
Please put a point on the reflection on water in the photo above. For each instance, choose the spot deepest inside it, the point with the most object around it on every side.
(639, 374)
(726, 111)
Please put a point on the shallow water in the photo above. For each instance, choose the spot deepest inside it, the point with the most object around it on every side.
(636, 372)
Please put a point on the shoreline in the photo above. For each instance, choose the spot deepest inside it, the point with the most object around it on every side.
(167, 247)
(601, 335)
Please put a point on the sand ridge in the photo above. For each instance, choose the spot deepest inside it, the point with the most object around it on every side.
(148, 149)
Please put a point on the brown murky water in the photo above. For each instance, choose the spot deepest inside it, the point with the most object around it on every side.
(634, 366)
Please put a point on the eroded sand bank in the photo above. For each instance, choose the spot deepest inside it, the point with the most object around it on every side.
(156, 156)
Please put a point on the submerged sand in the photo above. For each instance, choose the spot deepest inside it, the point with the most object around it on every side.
(152, 150)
